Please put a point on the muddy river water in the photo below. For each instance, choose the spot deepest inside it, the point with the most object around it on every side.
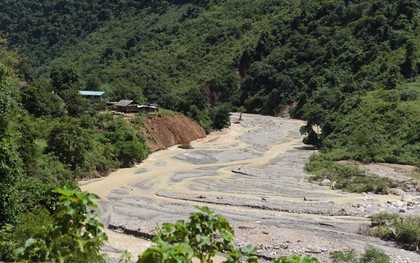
(251, 173)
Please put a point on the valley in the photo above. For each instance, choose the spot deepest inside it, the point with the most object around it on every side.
(346, 73)
(251, 173)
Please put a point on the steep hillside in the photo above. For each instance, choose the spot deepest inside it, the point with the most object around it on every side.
(45, 29)
(257, 56)
(350, 68)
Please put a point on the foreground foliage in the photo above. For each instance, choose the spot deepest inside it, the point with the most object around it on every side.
(73, 235)
(203, 237)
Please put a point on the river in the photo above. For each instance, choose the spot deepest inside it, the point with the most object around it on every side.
(251, 173)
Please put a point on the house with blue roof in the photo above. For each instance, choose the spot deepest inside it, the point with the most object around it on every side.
(91, 93)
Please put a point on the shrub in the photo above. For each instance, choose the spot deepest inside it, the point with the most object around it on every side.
(202, 237)
(344, 256)
(366, 183)
(348, 177)
(7, 243)
(370, 255)
(409, 232)
(296, 259)
(374, 255)
(128, 143)
(74, 235)
(185, 146)
(405, 230)
(384, 218)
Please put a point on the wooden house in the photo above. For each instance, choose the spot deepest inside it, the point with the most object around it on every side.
(126, 106)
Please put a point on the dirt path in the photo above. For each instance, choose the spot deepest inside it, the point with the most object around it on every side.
(252, 173)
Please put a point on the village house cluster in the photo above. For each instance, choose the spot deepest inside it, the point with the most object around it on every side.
(122, 106)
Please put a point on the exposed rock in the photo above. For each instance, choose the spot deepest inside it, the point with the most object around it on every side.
(399, 204)
(110, 249)
(271, 161)
(325, 182)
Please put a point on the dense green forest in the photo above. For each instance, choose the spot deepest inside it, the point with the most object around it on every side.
(350, 68)
(327, 58)
(42, 150)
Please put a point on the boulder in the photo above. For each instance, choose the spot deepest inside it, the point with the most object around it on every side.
(399, 204)
(325, 182)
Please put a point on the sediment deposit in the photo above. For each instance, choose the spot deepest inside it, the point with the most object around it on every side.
(251, 173)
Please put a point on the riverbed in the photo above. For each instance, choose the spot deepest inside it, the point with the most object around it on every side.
(253, 174)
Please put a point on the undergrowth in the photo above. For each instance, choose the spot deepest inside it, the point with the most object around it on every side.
(403, 229)
(346, 176)
(186, 146)
(370, 255)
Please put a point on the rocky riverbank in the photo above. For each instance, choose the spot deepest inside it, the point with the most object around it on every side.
(251, 173)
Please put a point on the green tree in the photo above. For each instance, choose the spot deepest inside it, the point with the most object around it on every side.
(76, 105)
(221, 116)
(70, 143)
(7, 101)
(205, 235)
(75, 234)
(129, 143)
(63, 79)
(408, 67)
(10, 162)
(66, 82)
(40, 102)
(10, 174)
(196, 97)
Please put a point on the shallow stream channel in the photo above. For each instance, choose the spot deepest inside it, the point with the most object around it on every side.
(253, 174)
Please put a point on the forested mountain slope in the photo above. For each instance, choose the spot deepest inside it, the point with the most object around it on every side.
(324, 56)
(350, 68)
(42, 150)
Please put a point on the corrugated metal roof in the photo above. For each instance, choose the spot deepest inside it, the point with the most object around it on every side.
(147, 106)
(123, 103)
(91, 93)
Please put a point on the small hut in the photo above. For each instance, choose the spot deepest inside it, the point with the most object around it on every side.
(126, 106)
(153, 107)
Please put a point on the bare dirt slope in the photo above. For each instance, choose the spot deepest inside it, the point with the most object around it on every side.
(252, 173)
(163, 131)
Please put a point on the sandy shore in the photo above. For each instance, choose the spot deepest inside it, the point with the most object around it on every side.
(252, 173)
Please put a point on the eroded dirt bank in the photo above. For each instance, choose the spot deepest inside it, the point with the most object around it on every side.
(252, 173)
(163, 131)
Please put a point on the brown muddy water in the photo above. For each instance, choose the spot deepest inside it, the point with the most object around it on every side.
(251, 173)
